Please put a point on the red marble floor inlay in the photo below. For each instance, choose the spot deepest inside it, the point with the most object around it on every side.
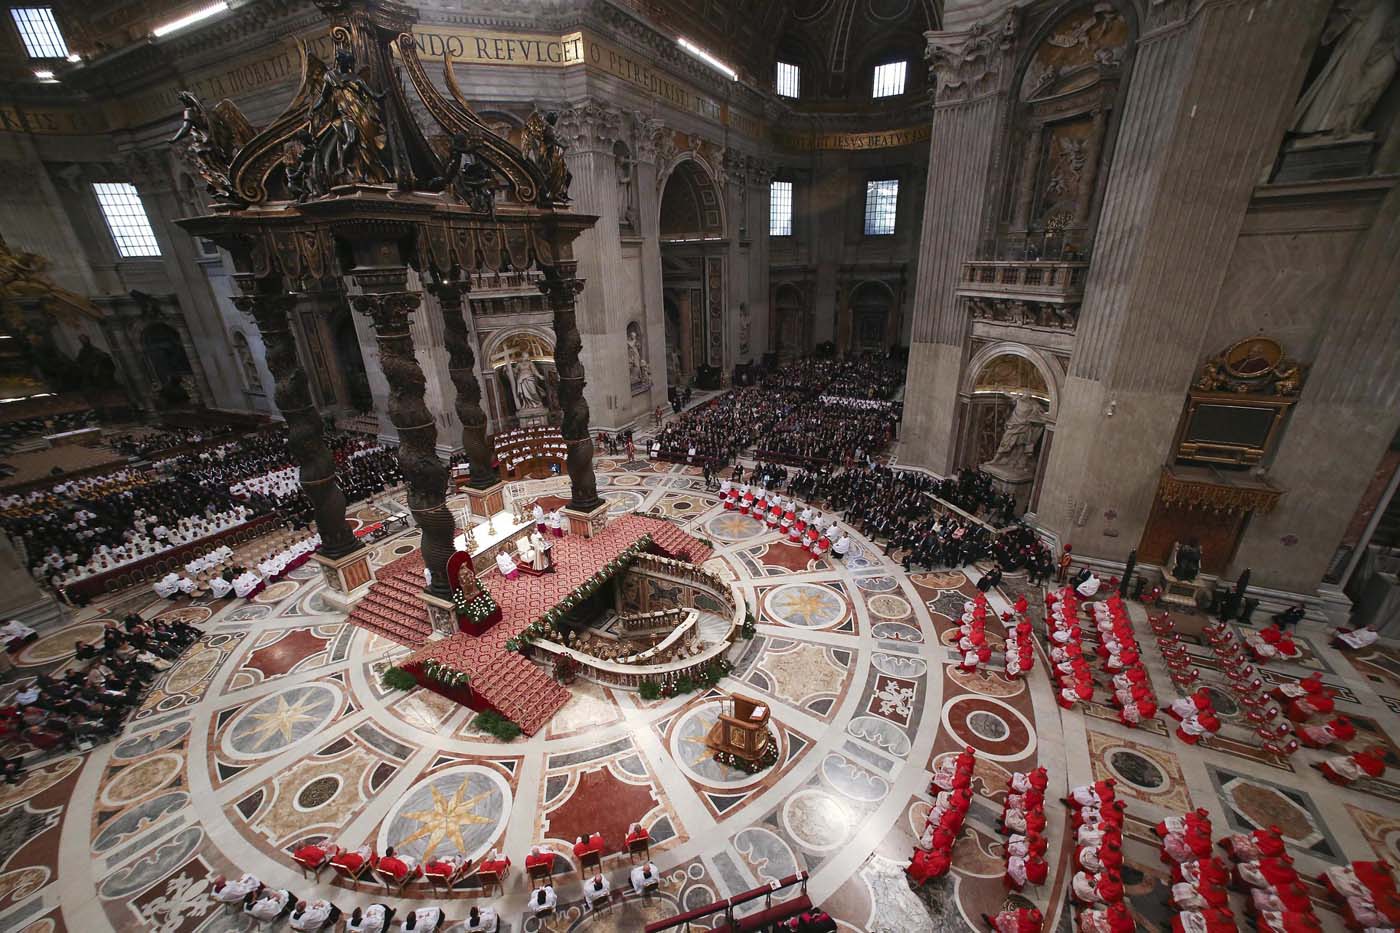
(581, 814)
(286, 652)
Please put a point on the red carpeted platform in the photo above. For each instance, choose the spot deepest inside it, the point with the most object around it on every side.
(392, 607)
(504, 680)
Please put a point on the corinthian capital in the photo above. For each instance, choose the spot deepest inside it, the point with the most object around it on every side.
(968, 63)
(589, 126)
(648, 135)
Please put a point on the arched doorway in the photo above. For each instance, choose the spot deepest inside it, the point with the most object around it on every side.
(790, 338)
(168, 363)
(871, 305)
(693, 275)
(346, 343)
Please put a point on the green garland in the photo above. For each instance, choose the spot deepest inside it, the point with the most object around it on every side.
(748, 629)
(396, 678)
(447, 676)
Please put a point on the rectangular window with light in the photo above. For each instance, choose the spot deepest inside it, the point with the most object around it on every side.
(39, 31)
(881, 202)
(789, 80)
(126, 219)
(889, 80)
(780, 208)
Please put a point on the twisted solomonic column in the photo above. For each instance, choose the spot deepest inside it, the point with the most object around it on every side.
(461, 367)
(560, 285)
(304, 428)
(425, 473)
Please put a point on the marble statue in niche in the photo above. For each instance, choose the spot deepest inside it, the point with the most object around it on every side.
(1364, 39)
(1019, 439)
(626, 200)
(527, 383)
(638, 369)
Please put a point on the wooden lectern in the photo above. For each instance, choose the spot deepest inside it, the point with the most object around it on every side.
(742, 730)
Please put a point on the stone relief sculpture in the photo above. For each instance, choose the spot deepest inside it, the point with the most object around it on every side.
(346, 127)
(1364, 36)
(1016, 451)
(637, 366)
(543, 146)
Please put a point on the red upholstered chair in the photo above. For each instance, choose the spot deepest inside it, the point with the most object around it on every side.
(314, 858)
(444, 874)
(352, 867)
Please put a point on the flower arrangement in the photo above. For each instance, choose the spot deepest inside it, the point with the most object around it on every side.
(769, 759)
(447, 676)
(476, 609)
(749, 628)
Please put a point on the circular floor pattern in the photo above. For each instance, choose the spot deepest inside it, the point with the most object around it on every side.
(142, 779)
(283, 719)
(816, 820)
(888, 606)
(59, 645)
(731, 526)
(806, 605)
(973, 720)
(457, 810)
(694, 757)
(276, 592)
(1136, 769)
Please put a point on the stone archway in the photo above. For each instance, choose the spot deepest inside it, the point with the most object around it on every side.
(789, 321)
(995, 380)
(522, 383)
(168, 364)
(693, 274)
(871, 304)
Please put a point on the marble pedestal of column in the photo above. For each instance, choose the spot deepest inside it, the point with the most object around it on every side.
(484, 503)
(1010, 481)
(347, 578)
(441, 616)
(588, 523)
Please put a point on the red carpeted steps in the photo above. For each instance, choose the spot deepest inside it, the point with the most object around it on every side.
(392, 607)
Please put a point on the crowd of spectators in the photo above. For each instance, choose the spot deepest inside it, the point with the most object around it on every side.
(75, 529)
(811, 411)
(143, 445)
(92, 698)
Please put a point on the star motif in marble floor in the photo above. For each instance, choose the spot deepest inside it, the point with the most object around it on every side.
(808, 606)
(445, 819)
(697, 742)
(281, 721)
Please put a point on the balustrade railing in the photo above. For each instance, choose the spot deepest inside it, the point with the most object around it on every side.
(1029, 276)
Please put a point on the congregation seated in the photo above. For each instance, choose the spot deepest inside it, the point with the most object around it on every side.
(314, 916)
(80, 528)
(91, 699)
(236, 891)
(596, 889)
(424, 920)
(269, 904)
(481, 920)
(372, 919)
(543, 900)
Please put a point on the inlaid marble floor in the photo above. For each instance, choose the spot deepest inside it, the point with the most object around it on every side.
(274, 730)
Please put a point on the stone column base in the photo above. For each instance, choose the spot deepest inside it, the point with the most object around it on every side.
(1016, 483)
(441, 616)
(484, 503)
(347, 578)
(589, 523)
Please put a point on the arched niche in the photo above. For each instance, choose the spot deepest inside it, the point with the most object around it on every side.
(523, 388)
(1069, 88)
(693, 270)
(691, 204)
(993, 381)
(791, 320)
(873, 305)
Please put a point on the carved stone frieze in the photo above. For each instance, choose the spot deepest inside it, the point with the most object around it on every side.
(969, 63)
(1024, 313)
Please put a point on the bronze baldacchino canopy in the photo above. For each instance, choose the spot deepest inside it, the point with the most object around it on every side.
(346, 184)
